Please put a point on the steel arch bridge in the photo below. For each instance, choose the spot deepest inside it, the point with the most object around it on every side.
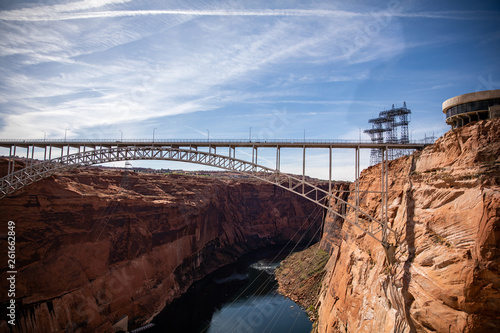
(108, 151)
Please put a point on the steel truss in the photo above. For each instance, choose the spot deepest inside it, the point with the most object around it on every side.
(387, 124)
(35, 170)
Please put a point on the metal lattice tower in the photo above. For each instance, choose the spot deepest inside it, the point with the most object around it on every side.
(377, 136)
(385, 130)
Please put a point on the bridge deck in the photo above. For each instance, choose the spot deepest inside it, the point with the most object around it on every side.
(211, 143)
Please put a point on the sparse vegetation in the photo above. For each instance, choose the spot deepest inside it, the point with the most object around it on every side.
(437, 239)
(372, 262)
(300, 276)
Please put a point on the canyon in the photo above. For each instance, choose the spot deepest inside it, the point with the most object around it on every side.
(95, 244)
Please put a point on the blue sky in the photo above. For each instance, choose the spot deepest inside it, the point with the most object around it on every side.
(105, 67)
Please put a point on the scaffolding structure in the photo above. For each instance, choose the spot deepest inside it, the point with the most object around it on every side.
(385, 130)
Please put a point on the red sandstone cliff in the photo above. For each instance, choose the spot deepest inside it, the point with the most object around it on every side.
(89, 251)
(444, 203)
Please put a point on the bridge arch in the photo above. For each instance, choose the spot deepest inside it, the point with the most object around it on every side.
(37, 171)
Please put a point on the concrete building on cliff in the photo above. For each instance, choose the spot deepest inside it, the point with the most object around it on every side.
(464, 109)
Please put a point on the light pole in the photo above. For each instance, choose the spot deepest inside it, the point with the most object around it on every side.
(44, 135)
(304, 135)
(65, 131)
(359, 134)
(208, 135)
(250, 136)
(154, 129)
(121, 135)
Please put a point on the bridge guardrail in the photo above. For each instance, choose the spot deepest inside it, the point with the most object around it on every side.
(110, 141)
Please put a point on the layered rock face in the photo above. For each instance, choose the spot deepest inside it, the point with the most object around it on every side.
(94, 245)
(444, 205)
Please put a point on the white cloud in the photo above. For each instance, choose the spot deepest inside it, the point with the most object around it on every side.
(192, 77)
(54, 10)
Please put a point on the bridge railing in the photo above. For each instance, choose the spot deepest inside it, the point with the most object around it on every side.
(256, 140)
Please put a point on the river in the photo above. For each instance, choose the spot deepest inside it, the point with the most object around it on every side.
(241, 297)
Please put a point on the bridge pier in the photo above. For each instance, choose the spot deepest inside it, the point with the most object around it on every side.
(12, 159)
(356, 182)
(278, 162)
(384, 190)
(254, 158)
(303, 168)
(330, 170)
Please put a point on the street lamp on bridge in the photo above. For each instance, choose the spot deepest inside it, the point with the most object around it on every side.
(121, 135)
(250, 136)
(208, 136)
(154, 129)
(65, 131)
(44, 135)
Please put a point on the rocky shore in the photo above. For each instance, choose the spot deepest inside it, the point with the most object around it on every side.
(300, 275)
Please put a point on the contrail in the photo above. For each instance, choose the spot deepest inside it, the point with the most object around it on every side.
(61, 15)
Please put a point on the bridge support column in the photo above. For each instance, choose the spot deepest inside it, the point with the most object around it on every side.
(356, 184)
(384, 184)
(253, 156)
(386, 219)
(12, 159)
(234, 155)
(254, 161)
(27, 156)
(278, 159)
(330, 171)
(303, 170)
(32, 155)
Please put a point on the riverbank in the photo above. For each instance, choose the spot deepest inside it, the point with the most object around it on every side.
(299, 277)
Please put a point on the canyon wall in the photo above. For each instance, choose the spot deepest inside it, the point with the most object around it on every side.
(444, 205)
(94, 245)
